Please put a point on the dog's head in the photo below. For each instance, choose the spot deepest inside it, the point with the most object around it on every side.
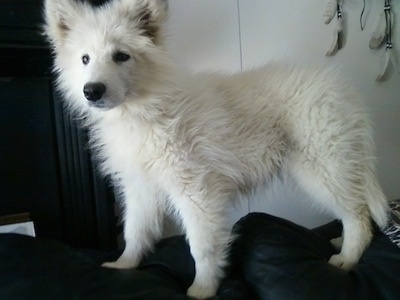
(108, 54)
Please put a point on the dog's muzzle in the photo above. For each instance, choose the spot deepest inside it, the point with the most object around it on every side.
(94, 91)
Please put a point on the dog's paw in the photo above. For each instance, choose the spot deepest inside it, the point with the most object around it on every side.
(337, 242)
(119, 264)
(340, 261)
(114, 265)
(199, 292)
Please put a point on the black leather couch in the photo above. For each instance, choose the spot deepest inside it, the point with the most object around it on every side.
(271, 259)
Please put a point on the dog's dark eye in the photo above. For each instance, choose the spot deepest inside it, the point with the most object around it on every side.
(85, 59)
(120, 56)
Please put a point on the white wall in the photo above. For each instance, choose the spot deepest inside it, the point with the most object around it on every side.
(238, 34)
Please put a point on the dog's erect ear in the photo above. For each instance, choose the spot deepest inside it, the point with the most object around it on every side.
(150, 14)
(153, 15)
(59, 16)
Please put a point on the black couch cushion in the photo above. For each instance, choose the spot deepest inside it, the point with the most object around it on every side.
(281, 260)
(271, 259)
(32, 268)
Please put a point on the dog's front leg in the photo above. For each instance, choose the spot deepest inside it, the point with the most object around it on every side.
(143, 214)
(204, 217)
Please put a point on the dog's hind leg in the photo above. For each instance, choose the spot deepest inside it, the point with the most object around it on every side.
(143, 215)
(342, 192)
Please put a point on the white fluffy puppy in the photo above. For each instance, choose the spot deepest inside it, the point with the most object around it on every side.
(194, 142)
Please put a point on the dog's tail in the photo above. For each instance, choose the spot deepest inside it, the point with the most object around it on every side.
(377, 202)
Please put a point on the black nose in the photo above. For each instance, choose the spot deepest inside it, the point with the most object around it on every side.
(93, 91)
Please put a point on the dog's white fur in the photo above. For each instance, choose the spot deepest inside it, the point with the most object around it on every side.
(194, 142)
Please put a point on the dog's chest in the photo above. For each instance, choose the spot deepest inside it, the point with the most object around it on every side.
(125, 145)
